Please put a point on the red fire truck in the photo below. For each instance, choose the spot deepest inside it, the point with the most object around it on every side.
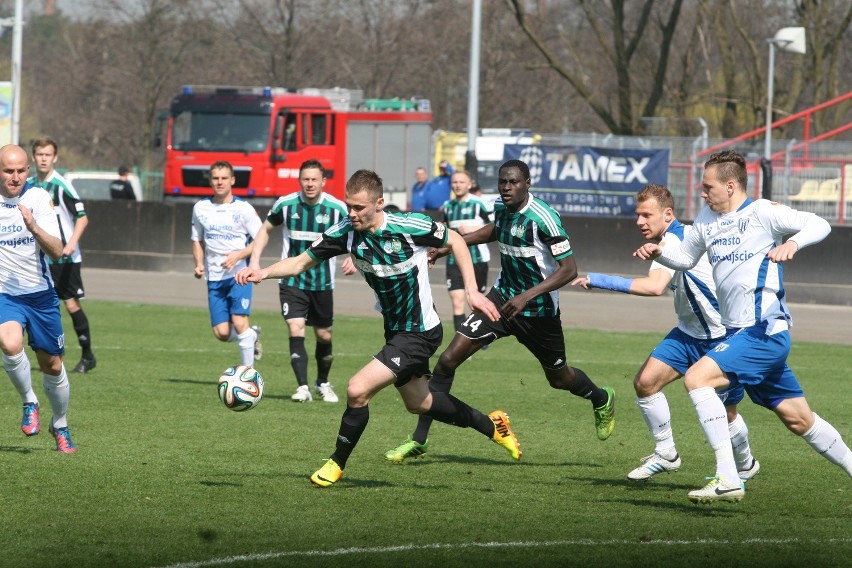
(266, 133)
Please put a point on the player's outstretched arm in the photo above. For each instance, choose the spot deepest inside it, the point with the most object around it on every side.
(284, 268)
(475, 298)
(655, 284)
(648, 251)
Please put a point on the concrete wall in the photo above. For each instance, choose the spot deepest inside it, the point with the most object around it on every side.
(156, 237)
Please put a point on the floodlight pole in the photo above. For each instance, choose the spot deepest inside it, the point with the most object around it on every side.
(770, 88)
(17, 43)
(473, 90)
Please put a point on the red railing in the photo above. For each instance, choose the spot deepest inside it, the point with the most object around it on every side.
(804, 147)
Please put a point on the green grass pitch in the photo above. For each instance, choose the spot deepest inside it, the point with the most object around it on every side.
(166, 476)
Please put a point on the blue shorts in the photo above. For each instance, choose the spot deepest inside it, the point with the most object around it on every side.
(680, 351)
(39, 315)
(758, 362)
(226, 298)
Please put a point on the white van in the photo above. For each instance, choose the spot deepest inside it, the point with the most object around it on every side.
(94, 185)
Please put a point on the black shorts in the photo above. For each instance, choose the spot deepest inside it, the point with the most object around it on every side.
(67, 280)
(454, 277)
(542, 336)
(316, 307)
(407, 353)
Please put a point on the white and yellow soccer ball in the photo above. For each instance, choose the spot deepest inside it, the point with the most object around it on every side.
(240, 388)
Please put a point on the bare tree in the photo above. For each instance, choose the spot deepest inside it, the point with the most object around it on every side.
(618, 37)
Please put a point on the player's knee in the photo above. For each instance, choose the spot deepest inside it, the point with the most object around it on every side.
(449, 360)
(797, 424)
(645, 386)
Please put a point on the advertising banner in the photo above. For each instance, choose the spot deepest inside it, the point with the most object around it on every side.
(581, 180)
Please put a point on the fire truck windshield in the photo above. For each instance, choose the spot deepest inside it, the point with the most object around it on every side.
(220, 132)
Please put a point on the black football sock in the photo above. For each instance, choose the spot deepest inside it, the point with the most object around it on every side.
(352, 425)
(324, 359)
(299, 359)
(438, 383)
(81, 327)
(583, 387)
(448, 409)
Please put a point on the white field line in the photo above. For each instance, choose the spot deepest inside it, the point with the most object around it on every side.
(233, 560)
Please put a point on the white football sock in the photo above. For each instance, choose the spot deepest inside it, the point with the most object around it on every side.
(58, 392)
(738, 432)
(825, 439)
(246, 342)
(714, 421)
(20, 372)
(658, 418)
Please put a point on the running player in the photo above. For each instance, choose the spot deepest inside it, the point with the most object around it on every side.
(306, 299)
(535, 261)
(28, 301)
(744, 241)
(66, 271)
(222, 228)
(390, 250)
(699, 328)
(465, 213)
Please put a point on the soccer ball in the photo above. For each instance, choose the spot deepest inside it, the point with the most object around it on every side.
(240, 388)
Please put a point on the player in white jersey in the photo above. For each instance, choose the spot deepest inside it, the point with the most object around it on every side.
(744, 241)
(29, 233)
(699, 328)
(67, 270)
(222, 229)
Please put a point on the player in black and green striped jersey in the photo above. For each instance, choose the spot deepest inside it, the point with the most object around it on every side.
(465, 213)
(308, 298)
(390, 250)
(535, 261)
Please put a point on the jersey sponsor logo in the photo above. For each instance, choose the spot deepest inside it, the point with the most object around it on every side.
(560, 248)
(725, 241)
(396, 361)
(733, 256)
(517, 252)
(721, 347)
(19, 242)
(362, 246)
(5, 229)
(295, 216)
(304, 236)
(386, 270)
(394, 245)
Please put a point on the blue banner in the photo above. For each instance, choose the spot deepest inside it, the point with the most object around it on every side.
(581, 180)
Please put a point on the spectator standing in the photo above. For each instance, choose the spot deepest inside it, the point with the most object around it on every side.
(121, 188)
(66, 271)
(438, 188)
(418, 190)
